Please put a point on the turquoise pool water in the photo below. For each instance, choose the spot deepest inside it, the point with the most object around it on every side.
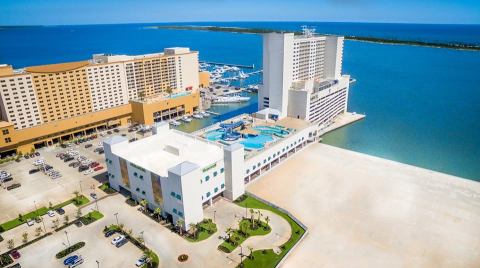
(256, 142)
(268, 130)
(214, 135)
(181, 94)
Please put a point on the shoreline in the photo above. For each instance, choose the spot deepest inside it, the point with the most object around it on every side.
(456, 46)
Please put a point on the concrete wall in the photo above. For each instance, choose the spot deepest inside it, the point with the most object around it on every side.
(333, 57)
(234, 171)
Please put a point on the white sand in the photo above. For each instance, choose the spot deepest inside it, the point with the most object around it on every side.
(364, 211)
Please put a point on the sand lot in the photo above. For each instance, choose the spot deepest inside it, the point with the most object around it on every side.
(363, 211)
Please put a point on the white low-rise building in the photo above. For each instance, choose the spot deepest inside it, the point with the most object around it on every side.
(181, 173)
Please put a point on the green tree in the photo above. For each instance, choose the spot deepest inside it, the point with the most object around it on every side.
(25, 237)
(55, 223)
(10, 244)
(194, 229)
(158, 212)
(250, 256)
(169, 90)
(77, 195)
(180, 223)
(78, 214)
(38, 231)
(66, 219)
(144, 204)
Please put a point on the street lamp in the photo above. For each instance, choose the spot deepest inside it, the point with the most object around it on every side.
(143, 239)
(80, 183)
(116, 216)
(68, 240)
(98, 263)
(241, 255)
(214, 212)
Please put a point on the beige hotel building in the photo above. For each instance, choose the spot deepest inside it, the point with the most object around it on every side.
(47, 104)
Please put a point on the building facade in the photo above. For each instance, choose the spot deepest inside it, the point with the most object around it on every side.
(302, 76)
(39, 99)
(182, 173)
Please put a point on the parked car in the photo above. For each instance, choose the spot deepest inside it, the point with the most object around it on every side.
(78, 224)
(15, 254)
(109, 132)
(109, 233)
(13, 186)
(94, 164)
(27, 156)
(88, 171)
(60, 211)
(132, 139)
(51, 213)
(6, 179)
(30, 222)
(116, 130)
(93, 195)
(76, 263)
(69, 158)
(73, 261)
(32, 171)
(101, 151)
(98, 168)
(88, 145)
(118, 239)
(121, 243)
(37, 154)
(140, 262)
(82, 168)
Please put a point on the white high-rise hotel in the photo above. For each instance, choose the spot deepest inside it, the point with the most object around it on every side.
(302, 76)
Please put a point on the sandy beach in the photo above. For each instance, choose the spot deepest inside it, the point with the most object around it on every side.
(364, 211)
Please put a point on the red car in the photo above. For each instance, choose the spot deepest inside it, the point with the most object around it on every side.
(94, 164)
(15, 254)
(98, 168)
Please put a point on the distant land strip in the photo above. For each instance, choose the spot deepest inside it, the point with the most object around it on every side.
(457, 45)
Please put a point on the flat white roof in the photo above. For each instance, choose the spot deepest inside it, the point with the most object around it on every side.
(166, 149)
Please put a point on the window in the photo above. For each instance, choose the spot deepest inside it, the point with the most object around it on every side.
(222, 170)
(8, 140)
(178, 197)
(215, 174)
(5, 132)
(216, 189)
(207, 178)
(180, 213)
(175, 210)
(223, 185)
(172, 194)
(208, 194)
(135, 174)
(248, 171)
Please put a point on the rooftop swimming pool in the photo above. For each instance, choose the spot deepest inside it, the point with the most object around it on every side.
(181, 94)
(252, 142)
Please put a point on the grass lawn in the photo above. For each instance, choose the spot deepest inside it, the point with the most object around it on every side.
(106, 188)
(206, 228)
(16, 222)
(268, 258)
(237, 236)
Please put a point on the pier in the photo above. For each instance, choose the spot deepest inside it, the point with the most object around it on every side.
(230, 64)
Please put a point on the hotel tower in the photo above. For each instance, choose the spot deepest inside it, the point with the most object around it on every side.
(302, 77)
(48, 104)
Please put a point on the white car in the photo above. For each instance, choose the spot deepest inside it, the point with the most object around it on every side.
(51, 213)
(88, 171)
(118, 239)
(30, 222)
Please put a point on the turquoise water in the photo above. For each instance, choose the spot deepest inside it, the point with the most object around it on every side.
(256, 142)
(422, 104)
(214, 135)
(271, 130)
(181, 94)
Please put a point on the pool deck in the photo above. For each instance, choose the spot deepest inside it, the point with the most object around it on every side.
(365, 211)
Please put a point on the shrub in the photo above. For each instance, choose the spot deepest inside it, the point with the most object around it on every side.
(224, 249)
(69, 250)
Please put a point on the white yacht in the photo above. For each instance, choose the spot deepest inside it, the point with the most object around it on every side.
(242, 75)
(230, 99)
(197, 116)
(174, 122)
(186, 118)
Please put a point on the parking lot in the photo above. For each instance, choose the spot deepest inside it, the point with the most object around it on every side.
(40, 188)
(97, 248)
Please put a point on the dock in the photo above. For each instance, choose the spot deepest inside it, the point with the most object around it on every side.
(230, 64)
(341, 121)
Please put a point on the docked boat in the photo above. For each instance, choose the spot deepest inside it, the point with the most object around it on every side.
(186, 119)
(242, 75)
(204, 114)
(197, 116)
(175, 123)
(230, 99)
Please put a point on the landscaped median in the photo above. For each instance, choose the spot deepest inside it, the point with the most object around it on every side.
(268, 258)
(21, 219)
(91, 217)
(69, 250)
(202, 230)
(247, 228)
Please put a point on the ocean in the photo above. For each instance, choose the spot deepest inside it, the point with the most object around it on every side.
(422, 104)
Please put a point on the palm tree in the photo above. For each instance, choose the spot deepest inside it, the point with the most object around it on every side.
(267, 220)
(25, 237)
(78, 214)
(158, 212)
(144, 204)
(120, 226)
(66, 219)
(55, 223)
(140, 239)
(194, 229)
(179, 224)
(38, 231)
(169, 90)
(259, 216)
(130, 232)
(229, 232)
(10, 244)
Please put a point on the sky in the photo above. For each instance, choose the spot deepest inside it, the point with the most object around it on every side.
(61, 12)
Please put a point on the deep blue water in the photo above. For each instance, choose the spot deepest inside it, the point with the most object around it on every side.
(422, 104)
